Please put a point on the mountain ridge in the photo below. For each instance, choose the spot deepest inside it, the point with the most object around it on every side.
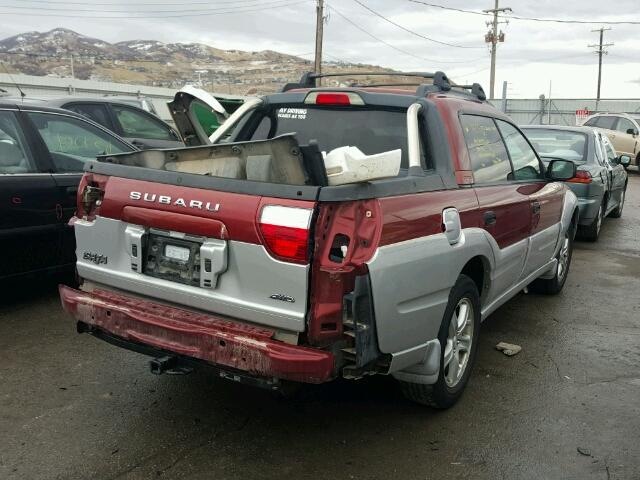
(62, 52)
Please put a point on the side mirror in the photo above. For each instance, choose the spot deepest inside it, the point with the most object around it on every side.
(632, 131)
(561, 170)
(624, 160)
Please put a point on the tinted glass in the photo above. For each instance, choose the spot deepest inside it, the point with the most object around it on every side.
(591, 122)
(142, 125)
(599, 150)
(624, 125)
(97, 113)
(558, 143)
(605, 122)
(525, 163)
(372, 131)
(609, 151)
(72, 142)
(208, 120)
(487, 152)
(14, 153)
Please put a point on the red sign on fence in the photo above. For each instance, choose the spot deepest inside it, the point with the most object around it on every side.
(581, 115)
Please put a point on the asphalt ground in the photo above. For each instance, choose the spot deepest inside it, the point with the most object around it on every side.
(566, 407)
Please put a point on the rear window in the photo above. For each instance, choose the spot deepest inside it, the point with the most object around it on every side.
(372, 131)
(563, 144)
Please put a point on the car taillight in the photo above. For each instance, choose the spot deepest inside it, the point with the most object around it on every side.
(285, 231)
(581, 177)
(334, 98)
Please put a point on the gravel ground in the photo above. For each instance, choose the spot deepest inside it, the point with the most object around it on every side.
(566, 407)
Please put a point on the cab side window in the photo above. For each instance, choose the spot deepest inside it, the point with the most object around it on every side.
(487, 152)
(15, 157)
(526, 165)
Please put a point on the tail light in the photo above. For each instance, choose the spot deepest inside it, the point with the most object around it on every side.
(582, 176)
(285, 231)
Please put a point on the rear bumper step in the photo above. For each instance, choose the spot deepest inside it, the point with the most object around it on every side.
(202, 336)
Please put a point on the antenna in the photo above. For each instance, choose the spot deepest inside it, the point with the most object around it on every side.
(22, 94)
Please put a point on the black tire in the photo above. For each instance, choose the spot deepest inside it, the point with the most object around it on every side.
(553, 286)
(592, 232)
(441, 394)
(617, 213)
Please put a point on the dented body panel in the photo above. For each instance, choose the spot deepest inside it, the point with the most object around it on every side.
(243, 256)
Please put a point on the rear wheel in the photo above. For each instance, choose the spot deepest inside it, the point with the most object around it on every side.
(554, 285)
(458, 341)
(592, 232)
(617, 213)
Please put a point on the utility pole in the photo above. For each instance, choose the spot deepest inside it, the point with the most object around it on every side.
(600, 50)
(493, 37)
(73, 73)
(319, 28)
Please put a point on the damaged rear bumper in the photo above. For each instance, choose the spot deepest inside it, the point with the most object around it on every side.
(201, 336)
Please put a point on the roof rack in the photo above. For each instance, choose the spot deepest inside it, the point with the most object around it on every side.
(440, 82)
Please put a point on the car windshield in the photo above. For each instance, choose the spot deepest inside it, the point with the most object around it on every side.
(552, 143)
(371, 130)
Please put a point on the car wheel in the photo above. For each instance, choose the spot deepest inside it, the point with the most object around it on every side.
(553, 286)
(458, 341)
(592, 232)
(617, 213)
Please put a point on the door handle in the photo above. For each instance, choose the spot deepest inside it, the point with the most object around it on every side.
(490, 218)
(535, 207)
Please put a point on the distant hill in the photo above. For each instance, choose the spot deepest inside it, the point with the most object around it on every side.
(150, 62)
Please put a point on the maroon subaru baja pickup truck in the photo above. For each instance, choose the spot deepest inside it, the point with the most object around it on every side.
(323, 233)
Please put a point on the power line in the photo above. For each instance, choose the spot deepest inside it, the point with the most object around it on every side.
(251, 4)
(402, 27)
(122, 17)
(398, 49)
(137, 3)
(532, 19)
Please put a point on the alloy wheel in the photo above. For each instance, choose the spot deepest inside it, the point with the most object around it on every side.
(563, 258)
(458, 346)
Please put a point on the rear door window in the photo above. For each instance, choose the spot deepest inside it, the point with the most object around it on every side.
(610, 152)
(372, 131)
(487, 152)
(606, 122)
(15, 157)
(94, 111)
(142, 125)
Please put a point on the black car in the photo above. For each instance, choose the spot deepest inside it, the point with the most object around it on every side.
(134, 124)
(42, 154)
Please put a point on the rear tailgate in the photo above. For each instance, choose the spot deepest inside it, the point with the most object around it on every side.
(239, 255)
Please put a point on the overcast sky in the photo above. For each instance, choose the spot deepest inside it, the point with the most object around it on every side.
(534, 53)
